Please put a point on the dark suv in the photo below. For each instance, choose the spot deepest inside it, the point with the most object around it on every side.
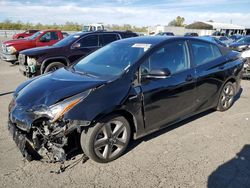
(41, 60)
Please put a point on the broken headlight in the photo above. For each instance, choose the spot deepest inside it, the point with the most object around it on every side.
(31, 61)
(57, 110)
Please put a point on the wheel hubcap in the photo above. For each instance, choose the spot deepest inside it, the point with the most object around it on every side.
(111, 140)
(227, 96)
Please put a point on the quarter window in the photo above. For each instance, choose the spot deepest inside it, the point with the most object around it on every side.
(173, 56)
(89, 41)
(204, 52)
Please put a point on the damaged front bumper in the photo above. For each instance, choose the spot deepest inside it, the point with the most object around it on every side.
(23, 143)
(39, 139)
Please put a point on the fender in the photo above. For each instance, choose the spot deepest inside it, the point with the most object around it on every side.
(52, 58)
(134, 118)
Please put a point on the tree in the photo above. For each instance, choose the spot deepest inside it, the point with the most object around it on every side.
(178, 22)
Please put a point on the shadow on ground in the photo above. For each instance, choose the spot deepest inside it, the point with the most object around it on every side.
(234, 173)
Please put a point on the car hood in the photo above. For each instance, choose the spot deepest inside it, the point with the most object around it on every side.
(53, 87)
(236, 44)
(17, 42)
(39, 50)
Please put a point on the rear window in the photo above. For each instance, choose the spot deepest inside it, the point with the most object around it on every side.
(204, 52)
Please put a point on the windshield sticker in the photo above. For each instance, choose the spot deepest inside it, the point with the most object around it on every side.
(76, 36)
(142, 45)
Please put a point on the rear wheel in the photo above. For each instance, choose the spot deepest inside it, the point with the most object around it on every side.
(53, 66)
(226, 97)
(107, 140)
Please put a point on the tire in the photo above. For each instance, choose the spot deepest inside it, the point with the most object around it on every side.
(227, 96)
(53, 66)
(106, 140)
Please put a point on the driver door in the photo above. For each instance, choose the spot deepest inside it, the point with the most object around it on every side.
(48, 39)
(168, 99)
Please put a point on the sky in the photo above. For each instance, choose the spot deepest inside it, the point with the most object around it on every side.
(134, 12)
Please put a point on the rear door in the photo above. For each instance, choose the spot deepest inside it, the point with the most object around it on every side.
(87, 45)
(209, 65)
(168, 99)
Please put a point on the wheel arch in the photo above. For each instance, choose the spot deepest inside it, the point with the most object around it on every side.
(47, 61)
(122, 112)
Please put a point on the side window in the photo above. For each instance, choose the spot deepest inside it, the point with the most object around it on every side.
(107, 38)
(89, 41)
(50, 36)
(216, 51)
(53, 35)
(204, 52)
(173, 56)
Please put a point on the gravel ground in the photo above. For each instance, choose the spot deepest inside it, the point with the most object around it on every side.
(209, 150)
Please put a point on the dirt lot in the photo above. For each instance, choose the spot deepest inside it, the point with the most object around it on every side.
(210, 150)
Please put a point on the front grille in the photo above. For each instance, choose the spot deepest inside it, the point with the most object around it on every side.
(22, 59)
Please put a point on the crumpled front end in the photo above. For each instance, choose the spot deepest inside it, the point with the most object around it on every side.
(38, 137)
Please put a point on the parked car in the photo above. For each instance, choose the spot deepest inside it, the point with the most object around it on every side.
(37, 61)
(235, 37)
(24, 34)
(11, 48)
(241, 45)
(227, 41)
(246, 71)
(191, 35)
(213, 39)
(165, 34)
(129, 88)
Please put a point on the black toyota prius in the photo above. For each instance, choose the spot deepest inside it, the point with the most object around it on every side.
(123, 91)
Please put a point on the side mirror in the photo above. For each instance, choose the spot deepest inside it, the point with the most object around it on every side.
(76, 45)
(44, 40)
(159, 73)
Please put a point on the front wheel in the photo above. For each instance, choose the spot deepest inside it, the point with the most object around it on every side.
(53, 67)
(107, 140)
(226, 97)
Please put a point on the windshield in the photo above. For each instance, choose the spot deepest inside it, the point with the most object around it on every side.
(111, 60)
(35, 35)
(68, 40)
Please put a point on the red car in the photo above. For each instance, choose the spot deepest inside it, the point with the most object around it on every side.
(11, 48)
(24, 34)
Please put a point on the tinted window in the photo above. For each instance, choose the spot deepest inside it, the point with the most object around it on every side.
(89, 41)
(204, 52)
(128, 35)
(172, 56)
(107, 38)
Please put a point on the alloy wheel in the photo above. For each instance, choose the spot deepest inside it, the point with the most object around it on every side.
(111, 140)
(227, 96)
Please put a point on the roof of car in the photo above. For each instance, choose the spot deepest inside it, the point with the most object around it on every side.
(91, 32)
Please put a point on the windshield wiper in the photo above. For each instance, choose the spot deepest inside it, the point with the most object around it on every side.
(85, 73)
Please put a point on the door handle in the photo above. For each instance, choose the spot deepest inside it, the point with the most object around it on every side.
(189, 78)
